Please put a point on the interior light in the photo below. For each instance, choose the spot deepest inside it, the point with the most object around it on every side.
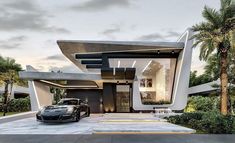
(68, 86)
(111, 109)
(106, 109)
(158, 51)
(119, 62)
(133, 64)
(173, 52)
(147, 65)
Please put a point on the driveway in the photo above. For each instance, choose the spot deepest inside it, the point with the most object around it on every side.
(97, 124)
(156, 138)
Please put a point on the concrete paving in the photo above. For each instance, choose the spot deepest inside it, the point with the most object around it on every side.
(97, 124)
(156, 138)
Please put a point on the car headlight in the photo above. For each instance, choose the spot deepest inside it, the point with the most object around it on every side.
(69, 109)
(41, 108)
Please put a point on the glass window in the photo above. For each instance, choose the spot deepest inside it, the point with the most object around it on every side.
(156, 81)
(68, 102)
(155, 75)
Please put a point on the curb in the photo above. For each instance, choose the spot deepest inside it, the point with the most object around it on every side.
(15, 117)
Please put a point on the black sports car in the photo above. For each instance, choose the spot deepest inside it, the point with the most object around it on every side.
(68, 109)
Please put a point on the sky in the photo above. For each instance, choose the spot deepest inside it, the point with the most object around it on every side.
(29, 29)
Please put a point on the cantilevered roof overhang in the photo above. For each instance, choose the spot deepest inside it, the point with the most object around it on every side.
(33, 75)
(72, 47)
(86, 80)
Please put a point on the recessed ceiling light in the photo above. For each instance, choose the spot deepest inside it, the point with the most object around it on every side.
(68, 86)
(147, 65)
(133, 65)
(119, 62)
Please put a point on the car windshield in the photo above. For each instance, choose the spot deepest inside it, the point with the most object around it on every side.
(68, 102)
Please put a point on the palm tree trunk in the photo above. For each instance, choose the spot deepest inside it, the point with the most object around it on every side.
(224, 84)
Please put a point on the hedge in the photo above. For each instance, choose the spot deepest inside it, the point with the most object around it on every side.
(19, 105)
(200, 103)
(207, 122)
(161, 102)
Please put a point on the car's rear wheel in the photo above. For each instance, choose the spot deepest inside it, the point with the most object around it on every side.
(77, 118)
(88, 112)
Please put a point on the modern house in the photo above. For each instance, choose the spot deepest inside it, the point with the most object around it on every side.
(119, 76)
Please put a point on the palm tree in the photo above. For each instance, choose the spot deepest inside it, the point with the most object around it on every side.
(212, 67)
(215, 35)
(8, 76)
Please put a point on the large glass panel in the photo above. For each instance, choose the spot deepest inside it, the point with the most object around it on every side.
(155, 75)
(156, 81)
(123, 98)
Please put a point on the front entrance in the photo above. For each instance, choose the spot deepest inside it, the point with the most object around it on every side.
(122, 98)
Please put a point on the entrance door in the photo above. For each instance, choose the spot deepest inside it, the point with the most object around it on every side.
(123, 98)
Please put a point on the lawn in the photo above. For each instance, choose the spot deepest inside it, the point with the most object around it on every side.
(9, 113)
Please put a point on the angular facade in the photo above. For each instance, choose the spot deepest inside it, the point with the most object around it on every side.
(120, 76)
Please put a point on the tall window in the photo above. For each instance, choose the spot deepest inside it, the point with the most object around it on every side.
(155, 75)
(156, 81)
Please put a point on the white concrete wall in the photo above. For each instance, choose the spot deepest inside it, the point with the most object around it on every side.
(39, 93)
(207, 87)
(181, 84)
(181, 81)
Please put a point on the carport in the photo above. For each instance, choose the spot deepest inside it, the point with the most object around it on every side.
(85, 86)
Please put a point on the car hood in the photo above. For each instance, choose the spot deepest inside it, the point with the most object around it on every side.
(56, 109)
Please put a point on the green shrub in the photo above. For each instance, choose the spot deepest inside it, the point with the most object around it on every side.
(208, 122)
(161, 102)
(174, 119)
(214, 122)
(186, 117)
(195, 124)
(200, 103)
(19, 105)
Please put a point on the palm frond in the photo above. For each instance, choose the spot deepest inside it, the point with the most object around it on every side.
(197, 43)
(203, 36)
(207, 48)
(224, 4)
(203, 26)
(212, 16)
(212, 67)
(228, 25)
(227, 11)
